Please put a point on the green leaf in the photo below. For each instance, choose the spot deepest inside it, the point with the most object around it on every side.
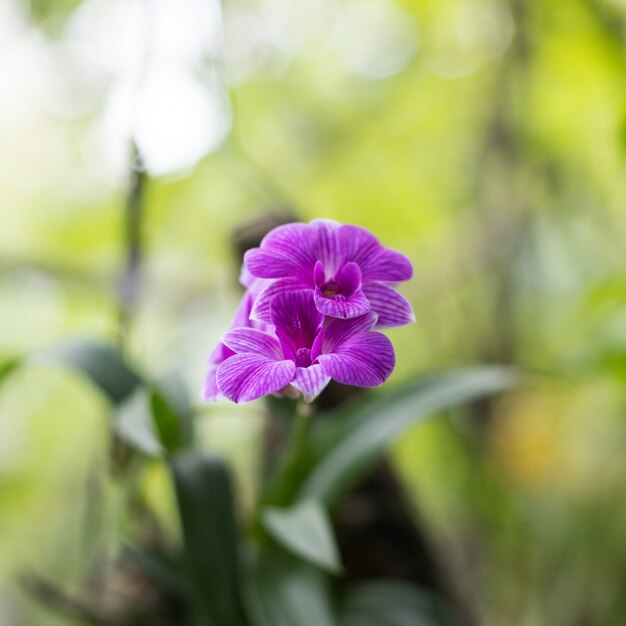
(207, 514)
(393, 603)
(134, 424)
(350, 445)
(103, 364)
(304, 530)
(148, 422)
(281, 590)
(172, 388)
(169, 425)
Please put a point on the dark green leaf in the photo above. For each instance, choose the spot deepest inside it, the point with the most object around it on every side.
(172, 388)
(281, 590)
(304, 530)
(102, 364)
(207, 514)
(393, 603)
(353, 443)
(169, 425)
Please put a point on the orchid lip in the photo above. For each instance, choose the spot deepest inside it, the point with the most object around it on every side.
(343, 284)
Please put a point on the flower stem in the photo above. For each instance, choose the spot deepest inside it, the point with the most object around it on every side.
(283, 482)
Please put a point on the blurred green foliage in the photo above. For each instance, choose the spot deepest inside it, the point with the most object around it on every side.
(483, 138)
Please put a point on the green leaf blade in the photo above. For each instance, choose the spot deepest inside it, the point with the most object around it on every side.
(167, 422)
(207, 513)
(354, 445)
(103, 364)
(393, 603)
(305, 531)
(133, 423)
(281, 590)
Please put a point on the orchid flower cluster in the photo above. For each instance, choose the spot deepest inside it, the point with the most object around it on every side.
(316, 294)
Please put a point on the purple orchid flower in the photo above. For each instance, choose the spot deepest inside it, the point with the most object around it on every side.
(347, 269)
(305, 351)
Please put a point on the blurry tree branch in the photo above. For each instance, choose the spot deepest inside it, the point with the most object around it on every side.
(133, 224)
(503, 213)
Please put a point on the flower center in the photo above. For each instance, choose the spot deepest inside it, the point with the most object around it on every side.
(331, 288)
(341, 284)
(303, 357)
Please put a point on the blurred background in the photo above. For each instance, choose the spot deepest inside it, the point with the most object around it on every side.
(485, 139)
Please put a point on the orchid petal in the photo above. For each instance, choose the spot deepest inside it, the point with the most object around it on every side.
(349, 278)
(254, 341)
(319, 275)
(246, 377)
(316, 348)
(310, 381)
(295, 318)
(327, 248)
(245, 277)
(341, 306)
(211, 391)
(376, 261)
(294, 240)
(388, 265)
(392, 308)
(363, 361)
(270, 263)
(357, 244)
(261, 310)
(338, 332)
(286, 251)
(220, 353)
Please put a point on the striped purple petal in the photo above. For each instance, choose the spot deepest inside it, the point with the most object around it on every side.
(376, 261)
(246, 377)
(270, 263)
(357, 244)
(261, 309)
(327, 248)
(310, 380)
(338, 332)
(296, 320)
(392, 308)
(362, 361)
(211, 391)
(286, 251)
(343, 307)
(293, 240)
(388, 266)
(254, 341)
